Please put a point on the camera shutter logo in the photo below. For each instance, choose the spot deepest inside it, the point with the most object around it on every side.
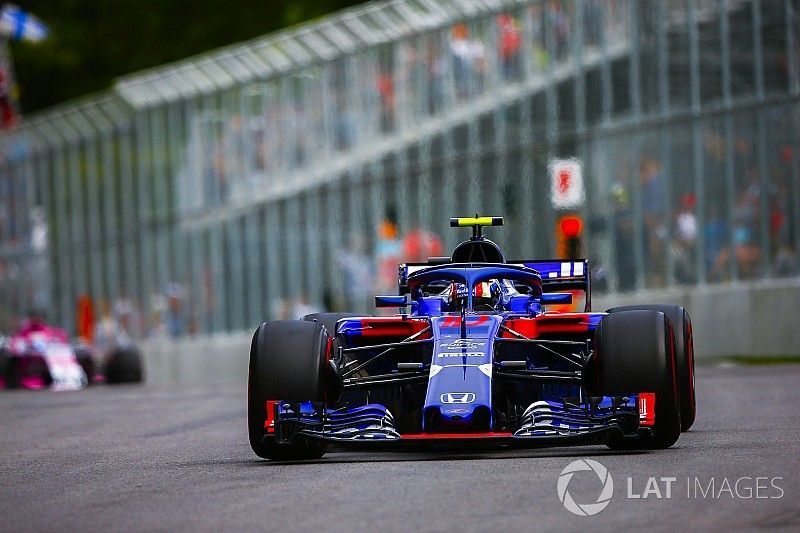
(585, 509)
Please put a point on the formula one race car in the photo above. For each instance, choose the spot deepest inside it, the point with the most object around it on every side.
(477, 356)
(39, 356)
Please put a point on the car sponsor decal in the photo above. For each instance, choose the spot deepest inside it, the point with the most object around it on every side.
(445, 355)
(647, 409)
(458, 397)
(462, 343)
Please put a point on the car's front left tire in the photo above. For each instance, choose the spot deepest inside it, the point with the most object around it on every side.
(684, 355)
(634, 352)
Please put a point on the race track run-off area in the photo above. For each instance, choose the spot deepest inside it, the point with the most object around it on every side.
(146, 458)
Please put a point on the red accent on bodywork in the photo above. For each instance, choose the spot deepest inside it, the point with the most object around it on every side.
(472, 321)
(430, 436)
(269, 421)
(647, 409)
(327, 370)
(547, 323)
(391, 327)
(688, 346)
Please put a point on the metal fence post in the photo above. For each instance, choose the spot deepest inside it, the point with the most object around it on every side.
(697, 140)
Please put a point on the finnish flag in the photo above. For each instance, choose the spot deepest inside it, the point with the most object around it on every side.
(19, 25)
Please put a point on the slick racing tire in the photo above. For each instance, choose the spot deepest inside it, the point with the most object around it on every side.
(33, 365)
(635, 352)
(84, 358)
(328, 320)
(5, 369)
(684, 356)
(287, 362)
(124, 365)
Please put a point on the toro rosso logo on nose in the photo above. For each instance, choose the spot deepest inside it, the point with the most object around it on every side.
(458, 397)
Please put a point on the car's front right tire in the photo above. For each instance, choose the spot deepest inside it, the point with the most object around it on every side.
(287, 363)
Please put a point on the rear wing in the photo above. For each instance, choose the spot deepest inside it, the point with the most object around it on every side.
(563, 275)
(557, 274)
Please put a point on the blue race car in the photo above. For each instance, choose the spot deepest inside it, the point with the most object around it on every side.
(482, 352)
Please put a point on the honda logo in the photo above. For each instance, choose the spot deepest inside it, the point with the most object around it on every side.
(458, 397)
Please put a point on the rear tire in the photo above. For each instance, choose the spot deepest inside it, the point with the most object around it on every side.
(635, 352)
(684, 356)
(84, 358)
(287, 362)
(5, 369)
(124, 365)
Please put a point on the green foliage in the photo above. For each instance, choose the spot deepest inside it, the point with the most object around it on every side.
(93, 41)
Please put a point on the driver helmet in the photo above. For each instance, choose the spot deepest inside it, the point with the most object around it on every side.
(485, 296)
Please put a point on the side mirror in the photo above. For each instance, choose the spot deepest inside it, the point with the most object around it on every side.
(556, 298)
(391, 301)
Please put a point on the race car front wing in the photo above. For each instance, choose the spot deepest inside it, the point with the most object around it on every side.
(543, 423)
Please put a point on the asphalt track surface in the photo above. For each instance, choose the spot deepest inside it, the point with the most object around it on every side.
(144, 458)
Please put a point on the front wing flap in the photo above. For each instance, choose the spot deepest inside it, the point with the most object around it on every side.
(542, 424)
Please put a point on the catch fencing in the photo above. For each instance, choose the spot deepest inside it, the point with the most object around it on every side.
(291, 173)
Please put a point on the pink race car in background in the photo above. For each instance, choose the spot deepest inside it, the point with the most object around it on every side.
(38, 356)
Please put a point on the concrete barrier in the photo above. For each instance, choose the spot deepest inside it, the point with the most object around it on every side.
(202, 360)
(756, 319)
(759, 318)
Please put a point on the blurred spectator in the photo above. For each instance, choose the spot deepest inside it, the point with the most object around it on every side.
(85, 318)
(209, 296)
(539, 45)
(358, 275)
(174, 312)
(594, 13)
(685, 243)
(779, 217)
(156, 327)
(653, 209)
(8, 112)
(469, 62)
(559, 25)
(624, 254)
(302, 306)
(419, 245)
(436, 63)
(388, 254)
(783, 253)
(126, 313)
(345, 127)
(717, 252)
(786, 261)
(297, 141)
(109, 332)
(387, 100)
(219, 192)
(745, 223)
(234, 147)
(510, 46)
